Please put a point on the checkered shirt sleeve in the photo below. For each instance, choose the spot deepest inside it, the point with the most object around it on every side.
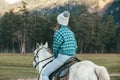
(57, 41)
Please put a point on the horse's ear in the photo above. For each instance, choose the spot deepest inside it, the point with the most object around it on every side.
(46, 45)
(37, 45)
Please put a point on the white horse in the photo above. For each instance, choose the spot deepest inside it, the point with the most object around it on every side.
(84, 70)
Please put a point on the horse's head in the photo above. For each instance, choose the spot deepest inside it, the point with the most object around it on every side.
(40, 47)
(40, 54)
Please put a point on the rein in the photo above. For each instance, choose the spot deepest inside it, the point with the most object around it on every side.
(42, 61)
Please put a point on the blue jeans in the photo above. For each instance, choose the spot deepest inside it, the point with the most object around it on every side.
(52, 66)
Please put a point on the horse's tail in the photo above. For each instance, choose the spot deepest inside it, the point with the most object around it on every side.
(102, 73)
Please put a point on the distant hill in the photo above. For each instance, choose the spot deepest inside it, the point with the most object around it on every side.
(93, 5)
(114, 10)
(32, 5)
(55, 6)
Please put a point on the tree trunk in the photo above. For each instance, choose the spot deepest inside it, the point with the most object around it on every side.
(81, 50)
(90, 49)
(13, 49)
(23, 48)
(102, 51)
(23, 45)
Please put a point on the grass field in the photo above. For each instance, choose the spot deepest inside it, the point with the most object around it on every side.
(14, 66)
(110, 61)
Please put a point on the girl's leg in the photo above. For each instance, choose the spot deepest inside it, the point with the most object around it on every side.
(52, 66)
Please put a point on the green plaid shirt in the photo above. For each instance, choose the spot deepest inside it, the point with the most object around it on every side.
(64, 42)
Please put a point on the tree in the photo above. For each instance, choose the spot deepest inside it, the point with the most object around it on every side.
(107, 34)
(7, 27)
(23, 27)
(87, 32)
(117, 38)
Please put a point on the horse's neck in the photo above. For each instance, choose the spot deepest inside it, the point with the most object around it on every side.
(42, 57)
(45, 54)
(42, 64)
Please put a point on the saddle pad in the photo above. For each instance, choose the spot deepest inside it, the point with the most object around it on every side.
(64, 69)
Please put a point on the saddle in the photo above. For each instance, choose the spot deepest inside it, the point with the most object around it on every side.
(64, 69)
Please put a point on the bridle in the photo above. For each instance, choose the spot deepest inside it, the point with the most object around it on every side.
(36, 56)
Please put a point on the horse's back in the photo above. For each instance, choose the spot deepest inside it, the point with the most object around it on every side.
(83, 70)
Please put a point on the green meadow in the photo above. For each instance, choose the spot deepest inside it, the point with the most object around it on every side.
(15, 66)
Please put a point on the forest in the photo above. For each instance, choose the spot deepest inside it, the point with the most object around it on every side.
(19, 32)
